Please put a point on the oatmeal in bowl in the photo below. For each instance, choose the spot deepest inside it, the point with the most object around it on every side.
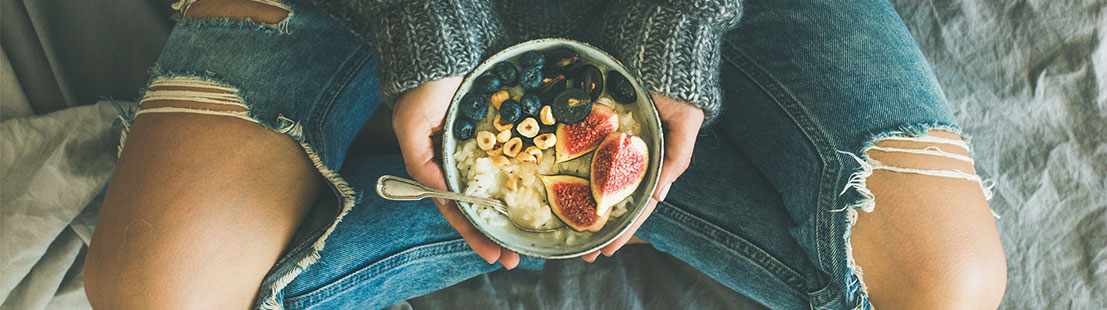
(563, 135)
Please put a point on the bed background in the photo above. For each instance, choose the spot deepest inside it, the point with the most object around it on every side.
(1028, 79)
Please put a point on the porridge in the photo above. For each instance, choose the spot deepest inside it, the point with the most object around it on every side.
(542, 134)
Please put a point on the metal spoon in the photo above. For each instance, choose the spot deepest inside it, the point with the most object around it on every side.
(396, 188)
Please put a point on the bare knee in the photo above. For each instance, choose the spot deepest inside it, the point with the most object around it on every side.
(195, 217)
(259, 11)
(948, 281)
(930, 240)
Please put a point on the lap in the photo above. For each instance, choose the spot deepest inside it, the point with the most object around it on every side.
(771, 226)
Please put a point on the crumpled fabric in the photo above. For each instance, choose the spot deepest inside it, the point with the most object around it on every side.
(53, 167)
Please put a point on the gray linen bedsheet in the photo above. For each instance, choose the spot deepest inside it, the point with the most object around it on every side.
(1028, 79)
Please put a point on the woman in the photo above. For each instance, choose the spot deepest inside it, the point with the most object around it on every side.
(815, 110)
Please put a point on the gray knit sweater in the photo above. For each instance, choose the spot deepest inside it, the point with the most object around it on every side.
(673, 46)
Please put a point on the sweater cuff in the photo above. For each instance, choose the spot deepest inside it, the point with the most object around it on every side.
(417, 42)
(673, 52)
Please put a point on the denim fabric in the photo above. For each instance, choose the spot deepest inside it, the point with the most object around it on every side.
(316, 74)
(761, 209)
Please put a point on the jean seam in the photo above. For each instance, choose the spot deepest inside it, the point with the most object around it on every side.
(321, 146)
(816, 136)
(733, 242)
(372, 269)
(345, 75)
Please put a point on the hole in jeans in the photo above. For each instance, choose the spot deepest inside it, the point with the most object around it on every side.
(268, 12)
(941, 155)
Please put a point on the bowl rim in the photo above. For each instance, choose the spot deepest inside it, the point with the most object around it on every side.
(638, 206)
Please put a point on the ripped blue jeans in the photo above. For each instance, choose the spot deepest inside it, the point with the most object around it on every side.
(766, 207)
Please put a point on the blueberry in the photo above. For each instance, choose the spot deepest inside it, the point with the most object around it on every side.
(487, 84)
(531, 78)
(510, 111)
(530, 104)
(464, 129)
(507, 73)
(532, 59)
(474, 106)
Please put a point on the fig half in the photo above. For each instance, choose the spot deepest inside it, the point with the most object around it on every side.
(574, 140)
(617, 168)
(571, 201)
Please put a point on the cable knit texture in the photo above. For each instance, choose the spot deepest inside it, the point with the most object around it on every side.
(672, 46)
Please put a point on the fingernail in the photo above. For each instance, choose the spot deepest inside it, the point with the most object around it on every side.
(664, 192)
(439, 201)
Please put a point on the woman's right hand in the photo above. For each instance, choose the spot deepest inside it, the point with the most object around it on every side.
(418, 120)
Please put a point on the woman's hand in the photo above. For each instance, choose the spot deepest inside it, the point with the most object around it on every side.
(681, 123)
(418, 119)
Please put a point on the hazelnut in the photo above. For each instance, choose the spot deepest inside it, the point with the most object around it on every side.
(501, 125)
(503, 136)
(547, 116)
(528, 128)
(513, 146)
(495, 151)
(499, 98)
(500, 160)
(542, 141)
(486, 140)
(531, 155)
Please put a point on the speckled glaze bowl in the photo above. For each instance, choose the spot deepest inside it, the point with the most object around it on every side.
(538, 244)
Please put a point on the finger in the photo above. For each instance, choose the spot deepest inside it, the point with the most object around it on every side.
(420, 163)
(416, 127)
(509, 259)
(622, 239)
(418, 152)
(591, 257)
(480, 244)
(682, 124)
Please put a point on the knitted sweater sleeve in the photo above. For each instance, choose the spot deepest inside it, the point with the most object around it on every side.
(420, 41)
(672, 46)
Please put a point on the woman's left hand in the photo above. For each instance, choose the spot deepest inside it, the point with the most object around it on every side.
(681, 123)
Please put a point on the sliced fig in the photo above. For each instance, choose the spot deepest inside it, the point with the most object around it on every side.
(617, 168)
(571, 201)
(574, 140)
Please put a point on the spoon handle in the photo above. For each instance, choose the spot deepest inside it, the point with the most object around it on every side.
(396, 188)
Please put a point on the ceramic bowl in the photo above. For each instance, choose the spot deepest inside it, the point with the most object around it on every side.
(541, 244)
